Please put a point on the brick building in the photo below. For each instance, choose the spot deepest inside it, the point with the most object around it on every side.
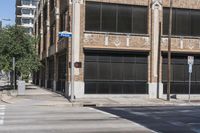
(117, 45)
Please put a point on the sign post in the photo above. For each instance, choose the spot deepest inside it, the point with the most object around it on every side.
(190, 63)
(14, 78)
(66, 34)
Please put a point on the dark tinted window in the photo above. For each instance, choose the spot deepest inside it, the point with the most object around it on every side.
(93, 16)
(195, 21)
(185, 22)
(109, 17)
(180, 75)
(182, 22)
(124, 19)
(116, 18)
(115, 73)
(139, 20)
(165, 21)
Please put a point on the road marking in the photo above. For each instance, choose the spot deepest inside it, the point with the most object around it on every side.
(177, 123)
(197, 130)
(2, 114)
(106, 113)
(139, 113)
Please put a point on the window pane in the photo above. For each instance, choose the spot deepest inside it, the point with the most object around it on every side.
(104, 70)
(90, 88)
(90, 70)
(124, 18)
(116, 88)
(141, 71)
(103, 88)
(109, 15)
(182, 22)
(93, 16)
(129, 71)
(178, 72)
(195, 21)
(140, 20)
(117, 69)
(166, 21)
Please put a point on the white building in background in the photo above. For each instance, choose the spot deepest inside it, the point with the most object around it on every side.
(25, 14)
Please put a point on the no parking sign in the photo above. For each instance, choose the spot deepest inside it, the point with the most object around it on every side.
(190, 63)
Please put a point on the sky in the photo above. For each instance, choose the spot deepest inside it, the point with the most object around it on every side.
(7, 11)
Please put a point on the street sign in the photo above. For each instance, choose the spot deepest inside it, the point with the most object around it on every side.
(65, 34)
(190, 68)
(190, 63)
(190, 60)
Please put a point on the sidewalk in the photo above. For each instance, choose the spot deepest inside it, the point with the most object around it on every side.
(35, 95)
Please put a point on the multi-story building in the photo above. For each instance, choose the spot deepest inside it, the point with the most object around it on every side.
(25, 14)
(117, 47)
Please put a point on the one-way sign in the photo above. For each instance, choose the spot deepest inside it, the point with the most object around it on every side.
(65, 34)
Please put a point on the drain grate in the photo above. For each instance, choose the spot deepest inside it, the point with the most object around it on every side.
(89, 105)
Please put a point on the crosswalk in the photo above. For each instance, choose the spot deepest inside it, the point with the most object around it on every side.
(61, 119)
(2, 114)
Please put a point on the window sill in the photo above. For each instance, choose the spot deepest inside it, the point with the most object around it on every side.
(183, 37)
(116, 33)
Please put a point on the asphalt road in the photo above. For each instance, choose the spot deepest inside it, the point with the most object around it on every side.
(161, 119)
(60, 119)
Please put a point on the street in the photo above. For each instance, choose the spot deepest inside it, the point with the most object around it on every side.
(42, 111)
(60, 119)
(162, 119)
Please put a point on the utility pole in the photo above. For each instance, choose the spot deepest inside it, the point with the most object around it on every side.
(169, 52)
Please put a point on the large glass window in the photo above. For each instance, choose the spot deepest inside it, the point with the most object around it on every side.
(108, 17)
(185, 22)
(115, 73)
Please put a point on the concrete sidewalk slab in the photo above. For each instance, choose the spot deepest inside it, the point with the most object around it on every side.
(35, 95)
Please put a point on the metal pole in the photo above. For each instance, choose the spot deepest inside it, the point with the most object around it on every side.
(14, 73)
(159, 53)
(189, 86)
(72, 50)
(169, 52)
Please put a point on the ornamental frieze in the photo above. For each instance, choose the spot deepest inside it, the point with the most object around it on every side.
(181, 44)
(122, 41)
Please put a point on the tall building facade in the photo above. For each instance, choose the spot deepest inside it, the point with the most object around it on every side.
(117, 47)
(25, 10)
